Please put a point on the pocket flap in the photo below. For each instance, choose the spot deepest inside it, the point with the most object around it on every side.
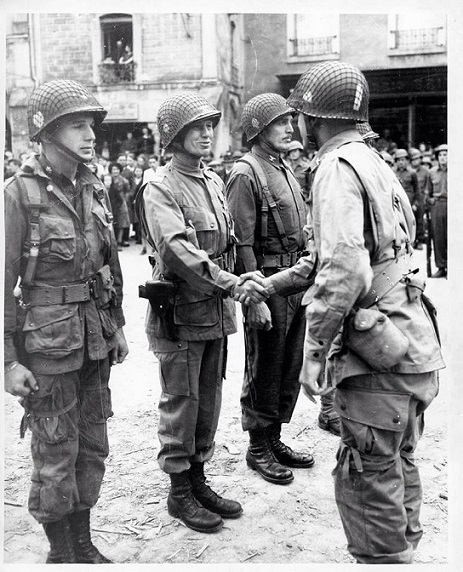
(200, 219)
(379, 409)
(40, 316)
(163, 345)
(56, 228)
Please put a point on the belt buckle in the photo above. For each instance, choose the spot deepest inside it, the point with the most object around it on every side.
(64, 294)
(93, 290)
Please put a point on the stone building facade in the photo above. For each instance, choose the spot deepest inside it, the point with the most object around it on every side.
(168, 52)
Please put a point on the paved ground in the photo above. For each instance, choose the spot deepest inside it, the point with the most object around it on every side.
(295, 524)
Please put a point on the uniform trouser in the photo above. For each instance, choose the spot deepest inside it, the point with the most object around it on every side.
(191, 378)
(67, 417)
(377, 484)
(419, 214)
(439, 232)
(273, 363)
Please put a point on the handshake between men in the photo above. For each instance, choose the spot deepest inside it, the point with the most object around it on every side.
(252, 289)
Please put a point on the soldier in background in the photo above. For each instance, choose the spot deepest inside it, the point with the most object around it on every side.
(422, 174)
(62, 245)
(409, 181)
(269, 213)
(299, 164)
(437, 200)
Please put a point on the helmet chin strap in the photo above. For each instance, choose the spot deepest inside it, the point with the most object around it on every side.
(66, 150)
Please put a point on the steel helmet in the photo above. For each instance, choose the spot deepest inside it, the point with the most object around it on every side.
(179, 111)
(440, 148)
(332, 90)
(260, 111)
(365, 130)
(400, 153)
(414, 153)
(388, 158)
(57, 98)
(295, 145)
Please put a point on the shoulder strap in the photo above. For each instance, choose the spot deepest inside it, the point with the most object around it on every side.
(399, 215)
(31, 186)
(268, 202)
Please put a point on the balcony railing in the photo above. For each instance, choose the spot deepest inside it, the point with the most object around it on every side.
(312, 46)
(117, 73)
(419, 39)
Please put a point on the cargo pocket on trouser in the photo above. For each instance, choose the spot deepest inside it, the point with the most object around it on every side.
(178, 409)
(173, 365)
(55, 331)
(369, 484)
(52, 416)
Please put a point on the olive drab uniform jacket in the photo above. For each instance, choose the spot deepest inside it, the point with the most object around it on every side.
(188, 220)
(363, 225)
(74, 301)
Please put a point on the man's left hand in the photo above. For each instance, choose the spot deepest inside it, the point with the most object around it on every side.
(119, 353)
(313, 379)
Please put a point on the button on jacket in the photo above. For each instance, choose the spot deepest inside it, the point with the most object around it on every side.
(189, 221)
(76, 240)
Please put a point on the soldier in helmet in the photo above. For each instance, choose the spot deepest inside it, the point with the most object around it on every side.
(299, 164)
(437, 200)
(187, 221)
(269, 213)
(409, 181)
(363, 229)
(367, 133)
(422, 174)
(62, 246)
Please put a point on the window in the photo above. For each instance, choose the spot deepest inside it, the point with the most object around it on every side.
(117, 45)
(313, 36)
(417, 32)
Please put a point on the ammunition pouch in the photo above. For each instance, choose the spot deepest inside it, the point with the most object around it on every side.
(374, 337)
(104, 291)
(161, 296)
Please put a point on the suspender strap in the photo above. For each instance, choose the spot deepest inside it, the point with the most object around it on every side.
(268, 202)
(32, 188)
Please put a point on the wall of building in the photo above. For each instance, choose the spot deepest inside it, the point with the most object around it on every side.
(65, 46)
(171, 47)
(265, 45)
(363, 42)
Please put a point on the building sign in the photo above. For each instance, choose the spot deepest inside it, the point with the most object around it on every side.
(413, 81)
(121, 111)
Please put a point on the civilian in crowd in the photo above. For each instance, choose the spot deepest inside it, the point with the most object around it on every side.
(153, 164)
(119, 190)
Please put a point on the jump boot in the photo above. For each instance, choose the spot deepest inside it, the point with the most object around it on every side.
(86, 552)
(209, 499)
(61, 546)
(260, 458)
(182, 504)
(328, 418)
(284, 454)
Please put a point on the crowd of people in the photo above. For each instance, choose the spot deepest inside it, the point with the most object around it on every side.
(318, 250)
